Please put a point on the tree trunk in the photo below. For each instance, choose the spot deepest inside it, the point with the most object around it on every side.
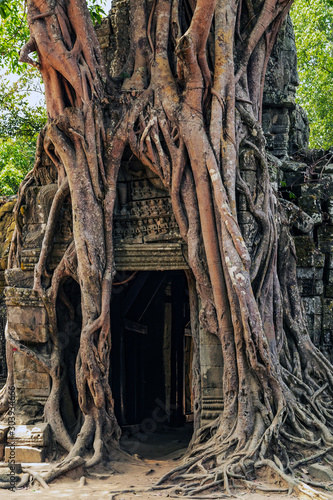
(189, 110)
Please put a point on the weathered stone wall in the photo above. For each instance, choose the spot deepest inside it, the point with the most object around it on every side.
(309, 183)
(113, 36)
(285, 123)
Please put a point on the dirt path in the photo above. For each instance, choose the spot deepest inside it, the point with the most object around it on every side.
(125, 476)
(158, 452)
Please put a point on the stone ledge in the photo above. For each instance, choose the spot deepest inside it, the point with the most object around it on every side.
(22, 297)
(32, 435)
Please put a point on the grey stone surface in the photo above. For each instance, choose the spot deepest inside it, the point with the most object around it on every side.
(285, 123)
(321, 472)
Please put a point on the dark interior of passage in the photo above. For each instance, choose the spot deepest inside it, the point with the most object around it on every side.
(151, 348)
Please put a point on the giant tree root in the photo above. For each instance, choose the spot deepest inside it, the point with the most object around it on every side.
(208, 472)
(63, 467)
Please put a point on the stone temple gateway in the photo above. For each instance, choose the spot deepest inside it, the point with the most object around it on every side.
(151, 359)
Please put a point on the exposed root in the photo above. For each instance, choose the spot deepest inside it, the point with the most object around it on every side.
(62, 468)
(38, 478)
(222, 476)
(24, 481)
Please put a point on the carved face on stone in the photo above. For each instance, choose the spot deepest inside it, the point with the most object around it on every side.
(152, 227)
(282, 76)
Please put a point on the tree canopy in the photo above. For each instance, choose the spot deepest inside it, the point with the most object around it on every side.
(14, 30)
(313, 23)
(20, 119)
(20, 123)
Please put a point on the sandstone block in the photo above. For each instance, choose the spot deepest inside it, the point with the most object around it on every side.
(26, 454)
(17, 277)
(5, 469)
(37, 334)
(32, 381)
(328, 314)
(293, 166)
(211, 377)
(307, 254)
(330, 209)
(249, 232)
(250, 178)
(32, 435)
(310, 273)
(325, 239)
(248, 162)
(210, 355)
(24, 364)
(310, 287)
(242, 203)
(305, 248)
(8, 474)
(245, 217)
(311, 205)
(312, 305)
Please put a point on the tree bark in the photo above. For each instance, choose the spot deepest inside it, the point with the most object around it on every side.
(189, 118)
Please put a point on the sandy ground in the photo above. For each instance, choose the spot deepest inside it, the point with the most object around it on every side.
(158, 454)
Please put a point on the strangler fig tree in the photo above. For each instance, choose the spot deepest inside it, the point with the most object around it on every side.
(190, 111)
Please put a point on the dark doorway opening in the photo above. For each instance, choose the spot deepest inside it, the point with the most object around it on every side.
(69, 319)
(151, 350)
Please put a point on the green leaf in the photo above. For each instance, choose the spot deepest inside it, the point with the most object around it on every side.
(313, 23)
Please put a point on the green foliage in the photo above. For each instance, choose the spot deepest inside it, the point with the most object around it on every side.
(17, 116)
(20, 121)
(14, 31)
(96, 10)
(4, 8)
(313, 22)
(16, 159)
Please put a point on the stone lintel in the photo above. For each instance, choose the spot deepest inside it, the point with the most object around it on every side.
(22, 297)
(19, 278)
(150, 256)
